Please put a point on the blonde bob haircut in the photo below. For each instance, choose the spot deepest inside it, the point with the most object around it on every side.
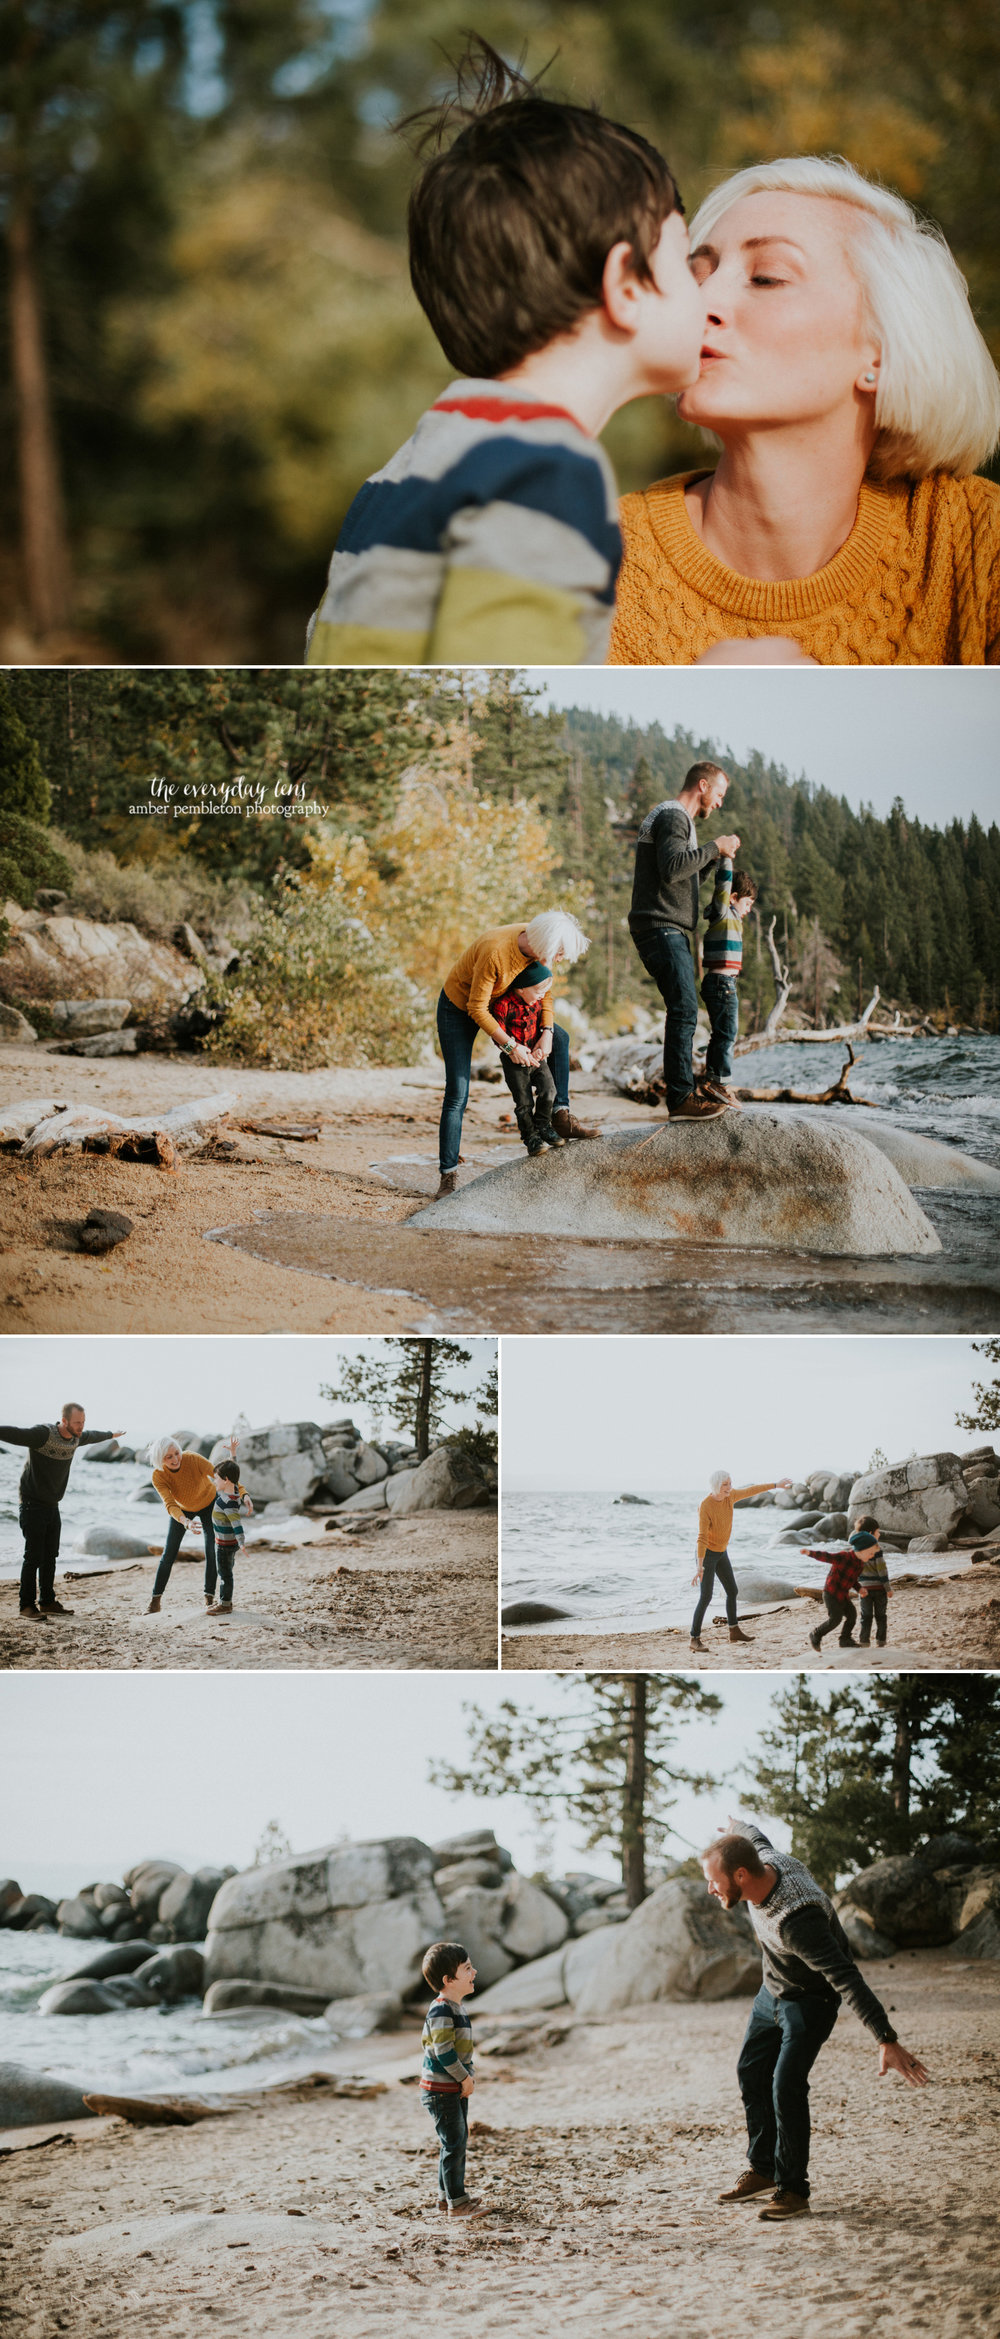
(717, 1480)
(937, 405)
(160, 1449)
(555, 934)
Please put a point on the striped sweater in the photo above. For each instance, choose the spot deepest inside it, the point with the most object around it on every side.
(447, 2044)
(722, 948)
(226, 1519)
(491, 538)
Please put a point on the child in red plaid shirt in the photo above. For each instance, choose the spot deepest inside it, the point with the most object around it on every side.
(845, 1567)
(523, 1059)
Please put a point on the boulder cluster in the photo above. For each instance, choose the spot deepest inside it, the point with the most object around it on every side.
(948, 1890)
(106, 988)
(156, 1902)
(928, 1503)
(290, 1466)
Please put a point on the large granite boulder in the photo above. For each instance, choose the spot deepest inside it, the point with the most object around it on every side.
(904, 1900)
(147, 1882)
(752, 1179)
(77, 1916)
(184, 1906)
(926, 1496)
(283, 1462)
(473, 1915)
(30, 2099)
(447, 1481)
(63, 958)
(977, 1914)
(111, 1543)
(348, 1919)
(540, 1984)
(679, 1944)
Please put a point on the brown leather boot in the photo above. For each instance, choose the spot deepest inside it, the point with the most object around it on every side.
(747, 2185)
(566, 1124)
(449, 1181)
(718, 1091)
(55, 1608)
(154, 1605)
(785, 2205)
(699, 1645)
(736, 1635)
(697, 1108)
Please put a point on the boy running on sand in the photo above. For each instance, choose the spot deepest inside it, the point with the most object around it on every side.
(228, 1529)
(722, 965)
(549, 251)
(447, 2081)
(519, 1011)
(844, 1568)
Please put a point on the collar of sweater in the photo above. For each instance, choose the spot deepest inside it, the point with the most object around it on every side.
(843, 578)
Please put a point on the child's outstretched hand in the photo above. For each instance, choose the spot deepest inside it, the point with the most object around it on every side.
(248, 1506)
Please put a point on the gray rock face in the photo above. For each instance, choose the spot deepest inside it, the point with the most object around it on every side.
(123, 1959)
(146, 1885)
(29, 2099)
(111, 1543)
(184, 1906)
(864, 1937)
(93, 1997)
(345, 1920)
(79, 1018)
(926, 1496)
(338, 1475)
(446, 1481)
(749, 1179)
(541, 1984)
(14, 1027)
(178, 1972)
(678, 1945)
(462, 1872)
(79, 1918)
(283, 1462)
(368, 1498)
(532, 1922)
(104, 1043)
(368, 1465)
(905, 1902)
(835, 1524)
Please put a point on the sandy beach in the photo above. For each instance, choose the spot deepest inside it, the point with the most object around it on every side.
(602, 2153)
(371, 1603)
(314, 1237)
(950, 1623)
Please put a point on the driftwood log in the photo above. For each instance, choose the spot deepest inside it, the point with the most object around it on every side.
(839, 1094)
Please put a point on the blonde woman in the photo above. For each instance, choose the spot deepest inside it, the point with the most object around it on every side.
(854, 399)
(185, 1483)
(484, 971)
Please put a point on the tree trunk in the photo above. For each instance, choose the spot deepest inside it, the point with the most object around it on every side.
(782, 986)
(634, 1800)
(902, 1757)
(43, 527)
(422, 1422)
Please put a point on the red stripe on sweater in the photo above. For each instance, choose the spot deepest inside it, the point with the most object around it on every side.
(505, 410)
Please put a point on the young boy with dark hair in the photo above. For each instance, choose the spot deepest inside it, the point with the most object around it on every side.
(519, 1011)
(844, 1569)
(722, 965)
(549, 251)
(228, 1529)
(873, 1583)
(447, 2081)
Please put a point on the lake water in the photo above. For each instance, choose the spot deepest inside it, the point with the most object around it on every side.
(618, 1566)
(143, 2049)
(939, 1088)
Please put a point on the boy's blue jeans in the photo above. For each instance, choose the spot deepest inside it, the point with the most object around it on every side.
(457, 1032)
(665, 952)
(450, 2114)
(225, 1554)
(722, 1001)
(783, 2039)
(175, 1537)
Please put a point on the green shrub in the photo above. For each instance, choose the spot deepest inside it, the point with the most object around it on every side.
(155, 897)
(314, 988)
(27, 860)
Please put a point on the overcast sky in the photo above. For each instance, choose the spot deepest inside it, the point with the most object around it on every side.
(149, 1387)
(658, 1414)
(928, 734)
(103, 1770)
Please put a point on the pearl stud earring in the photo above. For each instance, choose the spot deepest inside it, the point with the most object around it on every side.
(869, 377)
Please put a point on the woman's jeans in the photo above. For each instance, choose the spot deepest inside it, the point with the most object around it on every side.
(450, 2114)
(665, 952)
(175, 1537)
(783, 2039)
(457, 1032)
(715, 1564)
(722, 1002)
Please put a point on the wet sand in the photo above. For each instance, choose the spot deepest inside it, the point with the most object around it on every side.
(311, 1238)
(373, 1603)
(602, 2157)
(951, 1624)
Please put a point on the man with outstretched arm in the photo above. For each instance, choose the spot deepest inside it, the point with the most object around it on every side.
(808, 1969)
(51, 1446)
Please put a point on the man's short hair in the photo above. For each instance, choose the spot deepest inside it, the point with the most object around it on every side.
(228, 1470)
(704, 771)
(744, 887)
(71, 1407)
(735, 1851)
(510, 225)
(442, 1961)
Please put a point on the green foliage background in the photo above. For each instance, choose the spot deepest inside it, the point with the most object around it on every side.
(218, 208)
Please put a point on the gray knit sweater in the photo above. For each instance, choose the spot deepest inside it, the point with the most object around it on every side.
(805, 1948)
(668, 865)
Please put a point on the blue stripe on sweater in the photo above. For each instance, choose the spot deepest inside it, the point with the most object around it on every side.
(414, 513)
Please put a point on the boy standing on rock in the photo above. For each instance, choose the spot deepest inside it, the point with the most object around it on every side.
(722, 965)
(51, 1446)
(447, 2081)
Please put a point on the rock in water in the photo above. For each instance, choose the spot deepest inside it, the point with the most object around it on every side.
(103, 1230)
(749, 1180)
(344, 1920)
(28, 2099)
(533, 1612)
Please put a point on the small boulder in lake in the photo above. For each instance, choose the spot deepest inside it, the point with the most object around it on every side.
(534, 1612)
(834, 1526)
(641, 1499)
(30, 2099)
(77, 1916)
(112, 1543)
(177, 1972)
(243, 1997)
(92, 1997)
(185, 1904)
(122, 1959)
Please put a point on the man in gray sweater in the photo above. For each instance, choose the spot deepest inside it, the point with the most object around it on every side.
(663, 922)
(51, 1446)
(808, 1969)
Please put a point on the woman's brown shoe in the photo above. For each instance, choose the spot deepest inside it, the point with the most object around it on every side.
(736, 1635)
(449, 1181)
(700, 1646)
(154, 1605)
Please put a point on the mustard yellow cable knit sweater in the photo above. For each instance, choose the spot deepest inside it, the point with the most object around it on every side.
(917, 582)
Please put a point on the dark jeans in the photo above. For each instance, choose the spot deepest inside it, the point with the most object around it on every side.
(783, 2039)
(715, 1564)
(450, 2114)
(457, 1032)
(532, 1088)
(842, 1612)
(665, 952)
(175, 1537)
(722, 1001)
(874, 1609)
(40, 1525)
